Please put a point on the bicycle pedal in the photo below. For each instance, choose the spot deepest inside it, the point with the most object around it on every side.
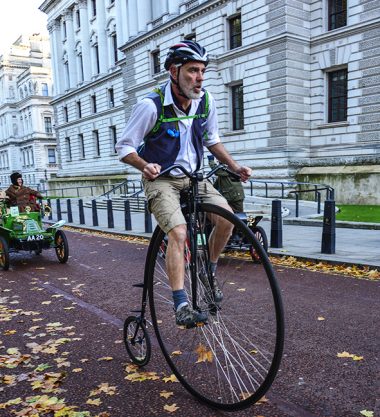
(138, 285)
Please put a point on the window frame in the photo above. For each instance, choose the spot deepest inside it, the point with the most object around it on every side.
(341, 107)
(234, 109)
(334, 15)
(96, 138)
(156, 61)
(232, 36)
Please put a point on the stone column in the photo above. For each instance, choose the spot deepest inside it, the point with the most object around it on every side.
(132, 18)
(71, 48)
(56, 52)
(121, 22)
(144, 14)
(174, 6)
(102, 36)
(85, 40)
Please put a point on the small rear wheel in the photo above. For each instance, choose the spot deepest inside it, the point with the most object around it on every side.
(4, 254)
(137, 341)
(61, 246)
(261, 236)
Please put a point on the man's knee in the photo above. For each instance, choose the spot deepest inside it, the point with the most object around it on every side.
(178, 234)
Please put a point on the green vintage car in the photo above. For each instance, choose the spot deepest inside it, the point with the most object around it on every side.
(25, 232)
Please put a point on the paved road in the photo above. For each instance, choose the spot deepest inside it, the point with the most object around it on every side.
(86, 300)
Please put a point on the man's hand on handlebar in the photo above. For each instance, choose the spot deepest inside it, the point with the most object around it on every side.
(151, 171)
(244, 172)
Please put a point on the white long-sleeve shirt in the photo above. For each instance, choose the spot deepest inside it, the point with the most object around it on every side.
(144, 117)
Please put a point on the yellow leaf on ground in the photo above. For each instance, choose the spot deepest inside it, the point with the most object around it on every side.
(77, 370)
(166, 394)
(106, 358)
(204, 355)
(367, 413)
(95, 401)
(320, 318)
(171, 408)
(46, 302)
(171, 378)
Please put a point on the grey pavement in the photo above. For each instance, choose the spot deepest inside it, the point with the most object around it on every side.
(355, 243)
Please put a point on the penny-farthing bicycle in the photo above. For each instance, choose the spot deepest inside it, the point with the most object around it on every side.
(231, 361)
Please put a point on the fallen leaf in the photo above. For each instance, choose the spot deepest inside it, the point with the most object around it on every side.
(320, 318)
(367, 413)
(171, 378)
(166, 394)
(95, 401)
(171, 408)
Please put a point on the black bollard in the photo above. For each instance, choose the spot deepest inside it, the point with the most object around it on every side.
(95, 221)
(69, 211)
(110, 214)
(59, 212)
(328, 233)
(276, 225)
(81, 211)
(148, 218)
(127, 215)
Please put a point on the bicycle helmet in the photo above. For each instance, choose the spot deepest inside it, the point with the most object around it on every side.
(185, 51)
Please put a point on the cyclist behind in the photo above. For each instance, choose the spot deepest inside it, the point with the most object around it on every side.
(230, 188)
(23, 197)
(174, 123)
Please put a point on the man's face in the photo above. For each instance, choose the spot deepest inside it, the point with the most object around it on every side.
(191, 76)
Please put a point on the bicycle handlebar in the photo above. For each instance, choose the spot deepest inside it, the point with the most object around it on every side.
(198, 174)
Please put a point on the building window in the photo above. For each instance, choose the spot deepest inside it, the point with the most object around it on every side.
(77, 18)
(68, 149)
(81, 71)
(337, 14)
(237, 107)
(67, 75)
(93, 103)
(79, 109)
(93, 7)
(48, 125)
(96, 56)
(113, 137)
(81, 146)
(191, 37)
(156, 61)
(111, 98)
(65, 114)
(95, 134)
(337, 86)
(45, 89)
(234, 24)
(114, 47)
(51, 156)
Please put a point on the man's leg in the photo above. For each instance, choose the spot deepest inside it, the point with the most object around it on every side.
(175, 262)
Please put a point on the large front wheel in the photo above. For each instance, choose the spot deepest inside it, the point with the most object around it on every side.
(230, 362)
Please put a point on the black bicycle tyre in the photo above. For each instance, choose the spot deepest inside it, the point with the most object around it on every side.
(4, 254)
(137, 360)
(164, 329)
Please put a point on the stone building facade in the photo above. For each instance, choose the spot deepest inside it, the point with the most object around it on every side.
(297, 82)
(27, 139)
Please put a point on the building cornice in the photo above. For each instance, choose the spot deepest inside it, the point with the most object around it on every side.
(345, 32)
(47, 5)
(96, 83)
(91, 118)
(177, 21)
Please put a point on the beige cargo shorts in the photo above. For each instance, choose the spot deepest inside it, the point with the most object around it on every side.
(163, 197)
